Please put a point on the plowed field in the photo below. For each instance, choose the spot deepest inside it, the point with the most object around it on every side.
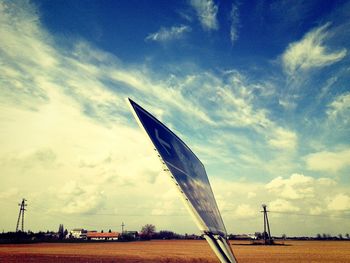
(173, 251)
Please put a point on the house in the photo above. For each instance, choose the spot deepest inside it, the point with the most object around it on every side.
(79, 233)
(242, 236)
(92, 235)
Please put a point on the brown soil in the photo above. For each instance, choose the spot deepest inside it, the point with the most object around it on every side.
(173, 251)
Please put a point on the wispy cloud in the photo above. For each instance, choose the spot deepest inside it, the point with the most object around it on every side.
(239, 109)
(167, 34)
(64, 123)
(234, 18)
(57, 105)
(340, 108)
(206, 11)
(283, 139)
(311, 52)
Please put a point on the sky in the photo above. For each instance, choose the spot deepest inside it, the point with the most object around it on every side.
(259, 90)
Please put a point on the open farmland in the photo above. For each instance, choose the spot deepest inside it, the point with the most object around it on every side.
(174, 251)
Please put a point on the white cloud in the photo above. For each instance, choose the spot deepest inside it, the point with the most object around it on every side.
(297, 186)
(58, 113)
(251, 194)
(75, 131)
(327, 161)
(206, 11)
(287, 103)
(167, 34)
(340, 202)
(81, 72)
(232, 193)
(281, 205)
(245, 211)
(234, 17)
(169, 203)
(340, 108)
(296, 195)
(310, 52)
(29, 46)
(9, 193)
(316, 210)
(81, 198)
(30, 159)
(283, 139)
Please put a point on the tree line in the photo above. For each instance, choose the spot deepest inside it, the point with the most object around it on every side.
(147, 232)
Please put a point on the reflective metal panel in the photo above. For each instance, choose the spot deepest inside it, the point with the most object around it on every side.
(186, 168)
(190, 177)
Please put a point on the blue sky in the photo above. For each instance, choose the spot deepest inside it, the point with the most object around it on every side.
(259, 90)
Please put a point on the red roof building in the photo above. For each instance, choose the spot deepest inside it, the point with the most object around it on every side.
(102, 236)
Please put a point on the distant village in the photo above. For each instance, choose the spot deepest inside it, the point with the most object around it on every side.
(147, 232)
(83, 234)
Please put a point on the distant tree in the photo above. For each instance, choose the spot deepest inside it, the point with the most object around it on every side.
(61, 231)
(284, 236)
(340, 236)
(258, 235)
(65, 233)
(318, 236)
(347, 235)
(164, 234)
(147, 231)
(110, 231)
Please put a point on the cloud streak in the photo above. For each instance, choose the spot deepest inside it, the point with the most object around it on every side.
(207, 13)
(168, 34)
(234, 18)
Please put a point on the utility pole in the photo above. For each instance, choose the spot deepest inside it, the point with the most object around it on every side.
(21, 214)
(122, 225)
(267, 240)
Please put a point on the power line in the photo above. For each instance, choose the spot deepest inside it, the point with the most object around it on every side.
(76, 218)
(312, 215)
(127, 215)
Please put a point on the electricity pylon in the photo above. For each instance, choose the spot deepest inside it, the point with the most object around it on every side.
(21, 214)
(267, 239)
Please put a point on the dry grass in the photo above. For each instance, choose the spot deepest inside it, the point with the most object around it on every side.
(296, 251)
(193, 251)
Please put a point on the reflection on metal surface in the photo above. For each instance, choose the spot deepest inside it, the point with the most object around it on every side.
(191, 179)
